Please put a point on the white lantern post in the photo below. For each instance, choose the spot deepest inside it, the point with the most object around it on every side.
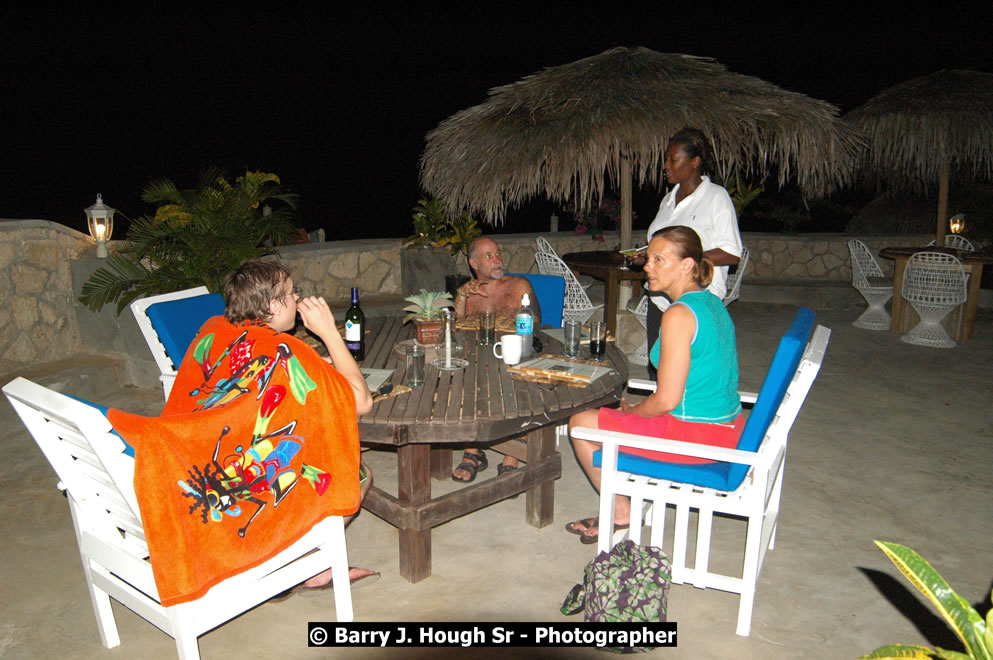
(100, 220)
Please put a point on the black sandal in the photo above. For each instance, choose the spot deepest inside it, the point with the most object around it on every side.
(471, 463)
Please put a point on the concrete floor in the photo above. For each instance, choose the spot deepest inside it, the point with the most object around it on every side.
(893, 443)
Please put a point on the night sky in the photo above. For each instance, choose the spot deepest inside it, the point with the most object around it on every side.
(337, 104)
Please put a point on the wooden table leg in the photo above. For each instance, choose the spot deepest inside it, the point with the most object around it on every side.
(540, 500)
(441, 463)
(972, 300)
(898, 324)
(413, 488)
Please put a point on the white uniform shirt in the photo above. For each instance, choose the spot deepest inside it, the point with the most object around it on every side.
(709, 211)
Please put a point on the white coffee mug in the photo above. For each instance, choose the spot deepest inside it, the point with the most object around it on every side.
(511, 346)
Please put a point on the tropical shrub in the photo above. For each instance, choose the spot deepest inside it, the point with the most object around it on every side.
(196, 237)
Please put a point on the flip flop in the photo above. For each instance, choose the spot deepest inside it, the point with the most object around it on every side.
(589, 523)
(471, 463)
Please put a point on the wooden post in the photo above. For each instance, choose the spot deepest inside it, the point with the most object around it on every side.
(939, 236)
(626, 202)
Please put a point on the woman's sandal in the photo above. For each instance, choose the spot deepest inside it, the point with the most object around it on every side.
(471, 463)
(589, 523)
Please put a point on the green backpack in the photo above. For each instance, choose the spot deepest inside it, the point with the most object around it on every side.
(628, 584)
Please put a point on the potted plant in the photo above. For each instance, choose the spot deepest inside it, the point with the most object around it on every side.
(196, 237)
(460, 233)
(425, 311)
(438, 242)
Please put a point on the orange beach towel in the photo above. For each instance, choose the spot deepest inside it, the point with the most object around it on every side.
(257, 443)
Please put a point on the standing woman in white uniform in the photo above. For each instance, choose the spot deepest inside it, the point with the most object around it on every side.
(694, 201)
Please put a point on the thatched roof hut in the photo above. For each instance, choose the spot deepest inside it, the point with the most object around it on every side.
(921, 129)
(559, 131)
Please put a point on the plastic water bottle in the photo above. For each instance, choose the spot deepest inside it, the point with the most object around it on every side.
(525, 326)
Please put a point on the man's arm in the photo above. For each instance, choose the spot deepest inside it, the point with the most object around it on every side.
(317, 318)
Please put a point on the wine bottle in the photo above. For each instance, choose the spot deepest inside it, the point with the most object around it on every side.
(355, 328)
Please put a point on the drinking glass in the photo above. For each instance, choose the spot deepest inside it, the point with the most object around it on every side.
(572, 330)
(598, 339)
(487, 326)
(415, 365)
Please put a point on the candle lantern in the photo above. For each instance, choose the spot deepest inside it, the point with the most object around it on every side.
(956, 223)
(100, 220)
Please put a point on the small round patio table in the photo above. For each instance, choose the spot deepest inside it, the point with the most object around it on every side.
(903, 316)
(608, 266)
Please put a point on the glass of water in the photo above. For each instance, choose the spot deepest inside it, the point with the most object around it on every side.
(572, 331)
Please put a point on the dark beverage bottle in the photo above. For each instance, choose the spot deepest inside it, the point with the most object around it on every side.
(355, 328)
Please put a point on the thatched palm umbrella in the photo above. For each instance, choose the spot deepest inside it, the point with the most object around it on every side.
(923, 127)
(559, 131)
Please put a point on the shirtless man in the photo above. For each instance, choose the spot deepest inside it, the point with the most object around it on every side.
(496, 292)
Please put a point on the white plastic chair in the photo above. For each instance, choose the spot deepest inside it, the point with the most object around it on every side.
(868, 279)
(97, 477)
(935, 284)
(734, 281)
(640, 356)
(577, 303)
(182, 327)
(756, 499)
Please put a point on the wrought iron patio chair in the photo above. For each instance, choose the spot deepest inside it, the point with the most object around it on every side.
(734, 280)
(934, 283)
(577, 303)
(868, 279)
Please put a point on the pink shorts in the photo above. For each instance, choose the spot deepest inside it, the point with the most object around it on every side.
(724, 435)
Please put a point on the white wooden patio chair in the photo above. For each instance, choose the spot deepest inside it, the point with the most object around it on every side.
(734, 281)
(97, 477)
(745, 482)
(934, 283)
(577, 305)
(868, 279)
(170, 321)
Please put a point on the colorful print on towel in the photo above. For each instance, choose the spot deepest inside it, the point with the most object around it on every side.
(253, 414)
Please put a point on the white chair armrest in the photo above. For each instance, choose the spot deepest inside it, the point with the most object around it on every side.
(671, 446)
(639, 384)
(651, 386)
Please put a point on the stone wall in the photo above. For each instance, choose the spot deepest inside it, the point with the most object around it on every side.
(812, 257)
(36, 294)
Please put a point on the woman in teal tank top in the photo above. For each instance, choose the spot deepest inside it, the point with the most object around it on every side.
(697, 396)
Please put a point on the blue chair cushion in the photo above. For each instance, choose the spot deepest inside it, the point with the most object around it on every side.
(550, 291)
(128, 449)
(177, 321)
(728, 476)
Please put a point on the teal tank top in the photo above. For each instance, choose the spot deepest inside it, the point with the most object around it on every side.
(711, 393)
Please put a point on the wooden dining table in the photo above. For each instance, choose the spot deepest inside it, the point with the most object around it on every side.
(608, 266)
(482, 406)
(903, 317)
